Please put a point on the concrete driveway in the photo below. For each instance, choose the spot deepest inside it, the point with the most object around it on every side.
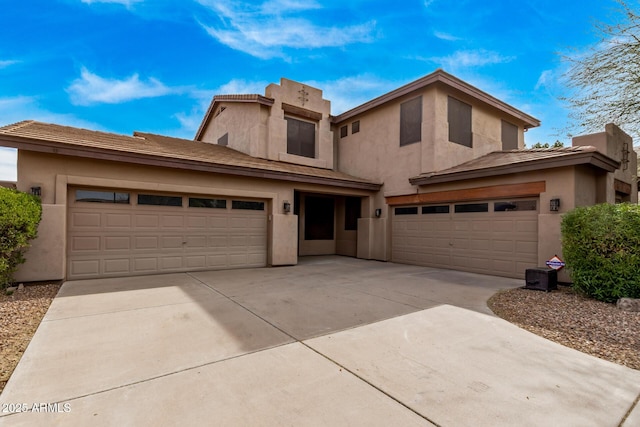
(332, 341)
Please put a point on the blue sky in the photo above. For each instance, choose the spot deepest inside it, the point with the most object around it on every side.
(154, 65)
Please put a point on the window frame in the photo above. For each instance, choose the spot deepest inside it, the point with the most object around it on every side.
(460, 121)
(510, 137)
(297, 147)
(411, 121)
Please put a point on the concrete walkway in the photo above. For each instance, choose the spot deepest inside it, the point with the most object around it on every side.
(332, 341)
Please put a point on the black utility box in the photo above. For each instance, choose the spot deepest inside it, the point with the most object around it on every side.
(541, 279)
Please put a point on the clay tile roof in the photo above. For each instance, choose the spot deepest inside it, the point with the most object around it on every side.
(165, 151)
(512, 161)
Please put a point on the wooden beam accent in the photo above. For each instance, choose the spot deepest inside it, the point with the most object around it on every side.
(301, 112)
(528, 189)
(622, 187)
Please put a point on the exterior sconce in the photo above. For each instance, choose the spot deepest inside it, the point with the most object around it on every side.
(378, 213)
(554, 205)
(286, 206)
(36, 191)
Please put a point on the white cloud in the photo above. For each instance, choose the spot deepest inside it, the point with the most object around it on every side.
(544, 79)
(470, 58)
(446, 36)
(349, 92)
(263, 30)
(93, 89)
(7, 62)
(126, 3)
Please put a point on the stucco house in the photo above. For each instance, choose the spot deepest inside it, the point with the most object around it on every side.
(433, 173)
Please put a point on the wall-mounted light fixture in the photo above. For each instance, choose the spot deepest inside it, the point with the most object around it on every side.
(378, 213)
(36, 191)
(286, 206)
(554, 205)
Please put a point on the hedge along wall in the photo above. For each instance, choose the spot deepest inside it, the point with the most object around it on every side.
(20, 214)
(601, 246)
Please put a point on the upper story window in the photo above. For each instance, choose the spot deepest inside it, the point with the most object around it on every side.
(301, 137)
(344, 131)
(355, 127)
(459, 116)
(509, 136)
(411, 121)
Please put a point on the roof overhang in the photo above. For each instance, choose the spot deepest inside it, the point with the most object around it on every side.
(592, 158)
(54, 147)
(441, 77)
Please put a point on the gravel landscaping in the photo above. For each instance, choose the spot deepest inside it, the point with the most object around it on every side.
(587, 325)
(20, 315)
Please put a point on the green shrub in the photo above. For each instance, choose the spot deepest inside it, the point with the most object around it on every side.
(20, 215)
(601, 246)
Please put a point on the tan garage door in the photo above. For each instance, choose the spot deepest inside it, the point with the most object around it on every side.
(120, 232)
(489, 237)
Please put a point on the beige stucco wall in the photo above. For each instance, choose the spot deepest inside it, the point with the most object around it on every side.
(308, 98)
(245, 124)
(618, 145)
(375, 152)
(54, 173)
(45, 258)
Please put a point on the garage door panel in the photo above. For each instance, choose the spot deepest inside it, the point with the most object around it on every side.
(85, 219)
(171, 242)
(172, 221)
(117, 220)
(115, 243)
(85, 243)
(217, 261)
(507, 246)
(490, 242)
(119, 240)
(196, 261)
(171, 263)
(196, 222)
(527, 226)
(196, 241)
(85, 267)
(145, 242)
(145, 264)
(147, 221)
(122, 265)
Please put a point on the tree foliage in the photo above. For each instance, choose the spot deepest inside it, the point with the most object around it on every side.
(604, 82)
(556, 144)
(20, 214)
(601, 246)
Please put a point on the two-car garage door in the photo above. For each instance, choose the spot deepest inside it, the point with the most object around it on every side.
(120, 232)
(489, 237)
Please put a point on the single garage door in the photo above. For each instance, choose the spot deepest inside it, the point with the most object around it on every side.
(121, 232)
(489, 237)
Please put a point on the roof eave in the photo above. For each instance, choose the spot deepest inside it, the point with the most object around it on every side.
(449, 80)
(28, 144)
(595, 159)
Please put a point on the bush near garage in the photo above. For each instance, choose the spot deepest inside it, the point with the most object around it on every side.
(601, 246)
(20, 214)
